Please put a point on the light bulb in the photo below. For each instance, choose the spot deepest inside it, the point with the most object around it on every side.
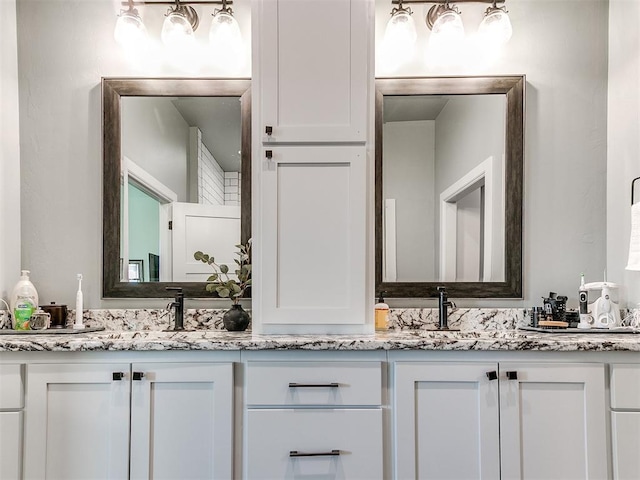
(226, 41)
(177, 32)
(130, 32)
(399, 38)
(495, 28)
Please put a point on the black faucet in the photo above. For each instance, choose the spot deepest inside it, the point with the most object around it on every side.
(443, 308)
(178, 305)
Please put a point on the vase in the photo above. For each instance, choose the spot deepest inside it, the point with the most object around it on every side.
(236, 319)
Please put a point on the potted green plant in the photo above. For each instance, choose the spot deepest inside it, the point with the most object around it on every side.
(232, 287)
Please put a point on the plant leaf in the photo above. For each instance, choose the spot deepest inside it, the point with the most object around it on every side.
(198, 255)
(222, 292)
(213, 278)
(224, 269)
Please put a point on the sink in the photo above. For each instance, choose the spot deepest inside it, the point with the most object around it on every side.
(50, 331)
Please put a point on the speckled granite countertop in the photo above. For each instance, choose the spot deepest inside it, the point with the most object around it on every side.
(504, 340)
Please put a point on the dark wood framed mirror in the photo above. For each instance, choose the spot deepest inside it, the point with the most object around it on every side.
(449, 186)
(172, 145)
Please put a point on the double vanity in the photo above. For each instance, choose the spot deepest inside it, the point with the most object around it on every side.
(488, 401)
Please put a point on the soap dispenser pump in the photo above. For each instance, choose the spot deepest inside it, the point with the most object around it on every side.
(382, 314)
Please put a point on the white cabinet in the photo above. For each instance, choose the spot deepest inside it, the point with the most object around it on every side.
(182, 421)
(625, 420)
(313, 204)
(446, 420)
(11, 404)
(77, 424)
(313, 64)
(314, 419)
(551, 420)
(312, 109)
(78, 418)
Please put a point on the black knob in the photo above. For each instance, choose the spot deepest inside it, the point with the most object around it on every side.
(492, 375)
(269, 154)
(117, 376)
(268, 129)
(512, 375)
(138, 375)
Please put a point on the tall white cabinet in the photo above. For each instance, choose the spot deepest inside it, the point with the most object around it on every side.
(312, 78)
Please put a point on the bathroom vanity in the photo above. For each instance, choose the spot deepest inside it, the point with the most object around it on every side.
(407, 403)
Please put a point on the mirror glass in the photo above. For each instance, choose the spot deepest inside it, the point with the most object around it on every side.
(445, 213)
(180, 149)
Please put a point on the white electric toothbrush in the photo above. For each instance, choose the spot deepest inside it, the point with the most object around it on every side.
(78, 325)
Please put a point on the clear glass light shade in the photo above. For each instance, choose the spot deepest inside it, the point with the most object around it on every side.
(177, 31)
(130, 32)
(226, 40)
(496, 27)
(448, 30)
(400, 33)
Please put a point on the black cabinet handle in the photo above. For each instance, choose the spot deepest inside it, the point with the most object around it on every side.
(512, 375)
(332, 453)
(138, 375)
(314, 385)
(117, 376)
(269, 154)
(493, 375)
(268, 129)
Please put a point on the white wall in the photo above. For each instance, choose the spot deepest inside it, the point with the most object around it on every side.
(9, 152)
(623, 153)
(561, 46)
(408, 174)
(155, 137)
(469, 130)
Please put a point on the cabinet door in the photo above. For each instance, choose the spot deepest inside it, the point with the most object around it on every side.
(310, 262)
(77, 422)
(10, 445)
(553, 421)
(446, 421)
(625, 430)
(182, 421)
(313, 65)
(314, 443)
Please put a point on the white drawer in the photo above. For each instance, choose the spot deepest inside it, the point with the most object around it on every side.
(314, 383)
(625, 385)
(11, 386)
(353, 436)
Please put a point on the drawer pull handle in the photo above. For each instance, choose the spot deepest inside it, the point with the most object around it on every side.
(138, 375)
(314, 385)
(269, 154)
(512, 375)
(332, 453)
(117, 376)
(268, 130)
(493, 375)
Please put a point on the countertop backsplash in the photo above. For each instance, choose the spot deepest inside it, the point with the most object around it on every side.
(211, 319)
(476, 319)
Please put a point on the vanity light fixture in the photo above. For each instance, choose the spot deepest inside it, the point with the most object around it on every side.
(445, 22)
(179, 25)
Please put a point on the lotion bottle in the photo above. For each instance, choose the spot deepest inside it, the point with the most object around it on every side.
(381, 315)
